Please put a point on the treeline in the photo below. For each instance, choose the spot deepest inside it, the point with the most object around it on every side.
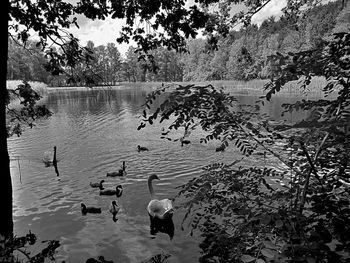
(243, 55)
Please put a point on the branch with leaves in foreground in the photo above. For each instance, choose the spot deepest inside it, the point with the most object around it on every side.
(247, 211)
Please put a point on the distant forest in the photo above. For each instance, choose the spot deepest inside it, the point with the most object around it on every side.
(240, 56)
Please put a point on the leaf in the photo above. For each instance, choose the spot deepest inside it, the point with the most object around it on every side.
(247, 258)
(265, 220)
(279, 223)
(268, 253)
(269, 244)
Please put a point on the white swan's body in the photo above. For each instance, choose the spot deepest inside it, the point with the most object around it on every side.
(48, 161)
(161, 209)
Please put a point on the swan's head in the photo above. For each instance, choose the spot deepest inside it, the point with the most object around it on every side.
(153, 177)
(114, 203)
(83, 206)
(54, 148)
(102, 181)
(138, 147)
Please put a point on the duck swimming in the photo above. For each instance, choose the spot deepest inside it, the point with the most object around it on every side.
(90, 209)
(161, 209)
(98, 184)
(120, 172)
(114, 209)
(118, 191)
(141, 148)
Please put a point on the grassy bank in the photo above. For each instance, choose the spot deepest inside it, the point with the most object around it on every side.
(252, 87)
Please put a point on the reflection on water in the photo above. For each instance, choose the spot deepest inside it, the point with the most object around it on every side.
(94, 131)
(165, 226)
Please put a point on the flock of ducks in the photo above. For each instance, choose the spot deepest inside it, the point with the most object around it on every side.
(157, 209)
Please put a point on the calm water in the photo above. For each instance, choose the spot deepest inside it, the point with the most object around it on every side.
(94, 131)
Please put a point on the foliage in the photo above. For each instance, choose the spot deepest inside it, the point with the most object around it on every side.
(20, 245)
(248, 212)
(237, 54)
(22, 108)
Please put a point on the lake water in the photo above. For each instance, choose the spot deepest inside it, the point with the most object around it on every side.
(94, 131)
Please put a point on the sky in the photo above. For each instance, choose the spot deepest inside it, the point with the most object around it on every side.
(106, 31)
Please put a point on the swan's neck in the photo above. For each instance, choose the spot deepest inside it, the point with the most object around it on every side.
(54, 154)
(150, 187)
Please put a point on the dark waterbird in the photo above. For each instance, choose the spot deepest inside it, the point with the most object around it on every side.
(221, 148)
(141, 148)
(114, 209)
(90, 209)
(98, 184)
(120, 172)
(117, 191)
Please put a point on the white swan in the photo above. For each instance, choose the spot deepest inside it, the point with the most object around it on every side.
(47, 158)
(162, 209)
(114, 209)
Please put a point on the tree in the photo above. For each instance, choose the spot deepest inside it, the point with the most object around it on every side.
(259, 213)
(49, 19)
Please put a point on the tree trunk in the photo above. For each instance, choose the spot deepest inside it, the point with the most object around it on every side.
(6, 227)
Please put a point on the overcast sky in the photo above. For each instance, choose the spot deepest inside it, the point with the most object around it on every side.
(106, 31)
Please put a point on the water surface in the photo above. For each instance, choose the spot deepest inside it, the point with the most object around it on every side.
(94, 131)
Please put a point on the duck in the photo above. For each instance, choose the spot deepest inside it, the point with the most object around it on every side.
(114, 209)
(47, 158)
(161, 209)
(221, 148)
(98, 184)
(185, 142)
(90, 209)
(120, 172)
(141, 148)
(118, 191)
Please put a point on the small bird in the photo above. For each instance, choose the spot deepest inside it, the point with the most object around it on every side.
(90, 209)
(114, 209)
(98, 184)
(120, 172)
(221, 148)
(185, 142)
(141, 148)
(118, 191)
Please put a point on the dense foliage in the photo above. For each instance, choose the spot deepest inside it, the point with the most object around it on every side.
(248, 211)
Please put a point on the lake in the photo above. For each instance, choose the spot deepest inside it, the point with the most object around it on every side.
(94, 131)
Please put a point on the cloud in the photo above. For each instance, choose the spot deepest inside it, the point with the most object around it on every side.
(273, 8)
(100, 32)
(106, 31)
